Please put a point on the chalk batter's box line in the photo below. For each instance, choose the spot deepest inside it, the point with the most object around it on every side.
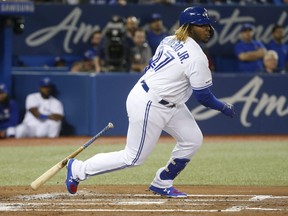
(81, 193)
(32, 206)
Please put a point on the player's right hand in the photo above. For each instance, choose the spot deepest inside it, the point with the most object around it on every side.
(228, 110)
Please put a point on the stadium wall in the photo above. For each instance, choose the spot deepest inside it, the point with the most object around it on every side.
(91, 101)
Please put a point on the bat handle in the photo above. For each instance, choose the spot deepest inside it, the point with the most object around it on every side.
(109, 126)
(74, 154)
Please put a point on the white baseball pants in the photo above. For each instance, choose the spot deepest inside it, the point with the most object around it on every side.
(147, 119)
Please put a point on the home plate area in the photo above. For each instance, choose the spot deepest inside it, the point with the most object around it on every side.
(90, 201)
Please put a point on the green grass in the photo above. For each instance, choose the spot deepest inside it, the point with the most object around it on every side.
(229, 163)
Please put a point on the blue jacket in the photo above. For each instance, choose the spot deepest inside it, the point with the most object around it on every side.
(249, 66)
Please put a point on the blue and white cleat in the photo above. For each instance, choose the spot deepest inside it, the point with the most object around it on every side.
(71, 184)
(170, 192)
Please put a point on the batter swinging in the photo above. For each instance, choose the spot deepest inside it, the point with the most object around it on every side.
(157, 102)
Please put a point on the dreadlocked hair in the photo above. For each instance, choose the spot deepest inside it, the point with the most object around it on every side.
(182, 32)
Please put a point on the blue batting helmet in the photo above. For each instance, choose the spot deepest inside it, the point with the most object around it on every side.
(195, 15)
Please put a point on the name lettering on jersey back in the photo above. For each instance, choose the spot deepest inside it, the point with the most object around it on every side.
(183, 55)
(174, 44)
(177, 46)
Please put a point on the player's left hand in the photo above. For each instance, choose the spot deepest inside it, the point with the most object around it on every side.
(228, 110)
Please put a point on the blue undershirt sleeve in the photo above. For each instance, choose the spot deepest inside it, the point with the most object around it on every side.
(206, 98)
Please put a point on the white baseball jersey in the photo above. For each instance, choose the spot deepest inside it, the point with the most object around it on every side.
(45, 106)
(34, 127)
(176, 69)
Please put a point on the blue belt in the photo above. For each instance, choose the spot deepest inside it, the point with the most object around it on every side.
(162, 101)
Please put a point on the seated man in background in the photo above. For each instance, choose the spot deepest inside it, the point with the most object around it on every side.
(59, 62)
(140, 52)
(249, 52)
(44, 113)
(89, 63)
(131, 26)
(9, 113)
(280, 47)
(155, 31)
(270, 61)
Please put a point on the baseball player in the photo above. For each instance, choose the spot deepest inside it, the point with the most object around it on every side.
(44, 113)
(9, 113)
(157, 102)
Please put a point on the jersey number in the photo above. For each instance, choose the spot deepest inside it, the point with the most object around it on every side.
(160, 60)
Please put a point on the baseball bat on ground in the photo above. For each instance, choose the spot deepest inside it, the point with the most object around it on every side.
(57, 167)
